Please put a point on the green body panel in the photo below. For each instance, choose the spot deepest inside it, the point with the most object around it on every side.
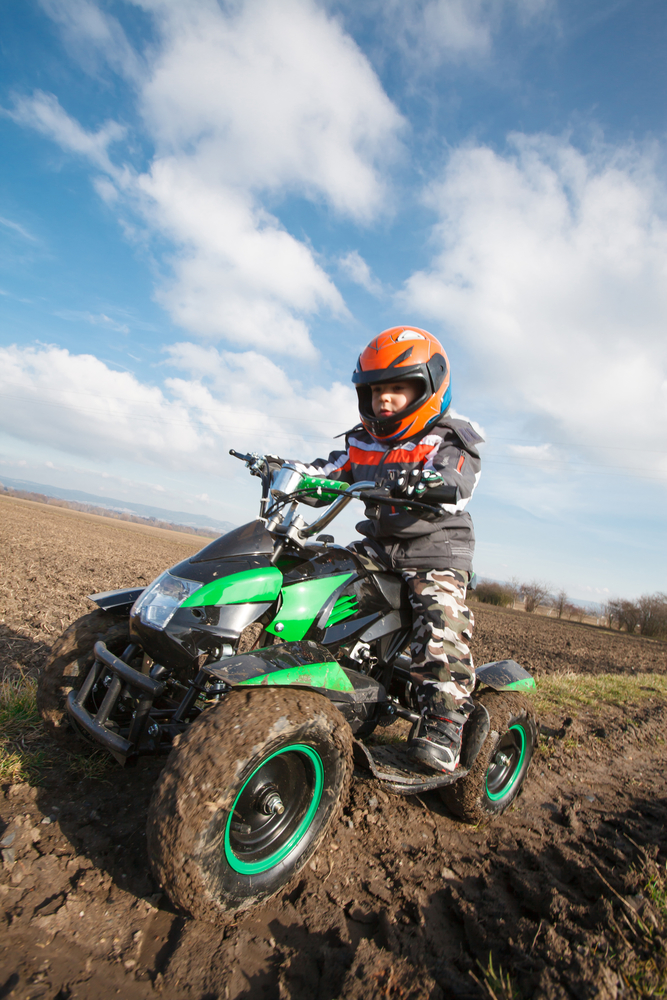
(301, 604)
(326, 489)
(525, 684)
(251, 585)
(342, 609)
(321, 675)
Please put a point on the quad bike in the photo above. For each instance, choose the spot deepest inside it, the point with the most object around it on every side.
(260, 664)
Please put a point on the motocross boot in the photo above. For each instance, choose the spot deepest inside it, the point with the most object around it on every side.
(436, 740)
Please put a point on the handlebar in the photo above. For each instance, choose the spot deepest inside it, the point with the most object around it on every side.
(366, 490)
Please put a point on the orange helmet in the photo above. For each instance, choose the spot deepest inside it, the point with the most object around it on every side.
(402, 353)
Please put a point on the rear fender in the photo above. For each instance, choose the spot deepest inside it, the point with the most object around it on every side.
(118, 601)
(288, 664)
(505, 675)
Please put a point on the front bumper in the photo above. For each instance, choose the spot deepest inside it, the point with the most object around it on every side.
(144, 689)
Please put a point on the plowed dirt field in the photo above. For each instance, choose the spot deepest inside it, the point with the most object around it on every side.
(561, 897)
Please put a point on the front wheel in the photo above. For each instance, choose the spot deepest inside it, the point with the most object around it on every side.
(247, 798)
(67, 667)
(500, 769)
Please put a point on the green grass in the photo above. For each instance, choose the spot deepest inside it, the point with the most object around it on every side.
(572, 692)
(26, 751)
(22, 755)
(646, 972)
(656, 890)
(497, 984)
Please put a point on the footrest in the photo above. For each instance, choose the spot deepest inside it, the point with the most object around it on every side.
(390, 765)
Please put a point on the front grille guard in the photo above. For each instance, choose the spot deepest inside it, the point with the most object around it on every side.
(144, 687)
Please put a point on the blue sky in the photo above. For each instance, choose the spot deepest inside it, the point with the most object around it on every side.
(207, 209)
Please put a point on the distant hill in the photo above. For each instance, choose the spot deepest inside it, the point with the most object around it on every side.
(199, 522)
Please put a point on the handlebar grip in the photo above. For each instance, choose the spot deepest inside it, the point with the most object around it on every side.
(441, 494)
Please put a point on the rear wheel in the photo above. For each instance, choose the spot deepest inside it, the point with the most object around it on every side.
(69, 663)
(499, 771)
(247, 798)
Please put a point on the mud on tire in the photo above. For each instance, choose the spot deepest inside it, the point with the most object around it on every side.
(214, 843)
(71, 658)
(499, 771)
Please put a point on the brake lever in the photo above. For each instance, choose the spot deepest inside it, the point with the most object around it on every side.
(243, 458)
(253, 461)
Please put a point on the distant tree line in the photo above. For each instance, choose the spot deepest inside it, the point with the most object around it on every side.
(645, 616)
(118, 515)
(505, 595)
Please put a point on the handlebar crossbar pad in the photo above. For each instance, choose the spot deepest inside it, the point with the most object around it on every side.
(324, 490)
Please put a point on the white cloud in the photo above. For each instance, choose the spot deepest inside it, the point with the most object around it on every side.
(271, 95)
(239, 274)
(93, 35)
(246, 105)
(44, 113)
(551, 269)
(80, 406)
(95, 319)
(430, 32)
(357, 270)
(232, 395)
(16, 227)
(532, 452)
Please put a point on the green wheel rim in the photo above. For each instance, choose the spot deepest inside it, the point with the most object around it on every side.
(316, 769)
(514, 770)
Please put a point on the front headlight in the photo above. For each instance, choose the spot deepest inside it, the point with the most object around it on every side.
(158, 603)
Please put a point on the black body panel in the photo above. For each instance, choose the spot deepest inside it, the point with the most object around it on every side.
(118, 601)
(193, 632)
(328, 561)
(204, 572)
(249, 540)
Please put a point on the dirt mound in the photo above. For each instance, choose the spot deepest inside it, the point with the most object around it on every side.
(563, 894)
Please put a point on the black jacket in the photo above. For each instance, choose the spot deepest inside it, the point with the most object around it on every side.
(401, 540)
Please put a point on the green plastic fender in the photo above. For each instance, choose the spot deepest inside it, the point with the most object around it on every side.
(251, 585)
(301, 604)
(329, 676)
(505, 675)
(304, 663)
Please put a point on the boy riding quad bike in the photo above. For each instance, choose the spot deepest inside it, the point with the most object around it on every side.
(261, 664)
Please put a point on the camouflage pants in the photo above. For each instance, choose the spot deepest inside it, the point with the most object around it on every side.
(442, 666)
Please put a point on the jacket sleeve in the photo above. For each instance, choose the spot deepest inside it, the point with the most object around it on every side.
(336, 466)
(458, 462)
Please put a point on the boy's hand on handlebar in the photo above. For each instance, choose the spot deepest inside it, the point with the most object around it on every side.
(406, 483)
(430, 479)
(417, 483)
(426, 486)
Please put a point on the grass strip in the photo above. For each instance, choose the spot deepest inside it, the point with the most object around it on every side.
(572, 692)
(26, 751)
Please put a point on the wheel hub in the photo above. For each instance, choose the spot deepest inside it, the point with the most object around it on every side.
(274, 809)
(270, 803)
